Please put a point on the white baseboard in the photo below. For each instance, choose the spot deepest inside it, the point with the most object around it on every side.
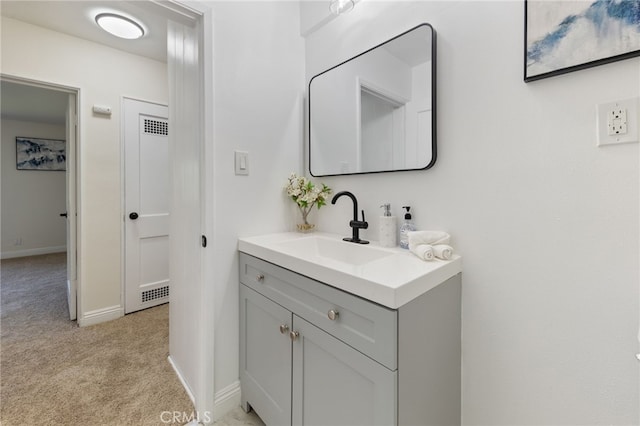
(226, 400)
(181, 378)
(32, 252)
(100, 315)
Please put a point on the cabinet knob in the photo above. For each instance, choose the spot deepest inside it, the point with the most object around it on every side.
(260, 277)
(333, 314)
(293, 335)
(284, 328)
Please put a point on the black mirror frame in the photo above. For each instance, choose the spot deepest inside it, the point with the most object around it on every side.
(433, 103)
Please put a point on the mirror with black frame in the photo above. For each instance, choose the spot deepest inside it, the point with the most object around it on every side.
(376, 111)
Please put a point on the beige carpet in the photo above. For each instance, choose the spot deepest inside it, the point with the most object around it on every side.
(55, 373)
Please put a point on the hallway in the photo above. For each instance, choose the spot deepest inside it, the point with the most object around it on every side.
(53, 372)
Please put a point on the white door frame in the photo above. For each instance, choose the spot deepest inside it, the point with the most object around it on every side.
(72, 190)
(71, 203)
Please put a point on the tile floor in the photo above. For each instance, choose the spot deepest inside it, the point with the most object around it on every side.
(237, 417)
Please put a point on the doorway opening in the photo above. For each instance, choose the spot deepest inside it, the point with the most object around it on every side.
(192, 318)
(382, 136)
(39, 205)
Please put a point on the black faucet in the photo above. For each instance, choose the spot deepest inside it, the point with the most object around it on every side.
(356, 225)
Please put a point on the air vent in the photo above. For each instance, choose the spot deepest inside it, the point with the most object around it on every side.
(155, 127)
(156, 293)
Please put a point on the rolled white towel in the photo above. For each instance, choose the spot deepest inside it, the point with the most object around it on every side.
(428, 237)
(423, 251)
(442, 251)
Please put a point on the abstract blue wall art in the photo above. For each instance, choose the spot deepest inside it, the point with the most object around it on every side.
(563, 36)
(40, 154)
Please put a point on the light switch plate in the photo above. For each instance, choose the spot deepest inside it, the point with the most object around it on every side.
(617, 122)
(242, 162)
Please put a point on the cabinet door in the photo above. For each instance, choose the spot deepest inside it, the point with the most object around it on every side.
(265, 357)
(334, 384)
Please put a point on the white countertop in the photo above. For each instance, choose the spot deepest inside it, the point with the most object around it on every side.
(392, 280)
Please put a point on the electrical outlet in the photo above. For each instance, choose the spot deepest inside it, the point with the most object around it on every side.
(617, 122)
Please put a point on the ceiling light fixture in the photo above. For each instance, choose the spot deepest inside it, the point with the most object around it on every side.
(119, 26)
(341, 6)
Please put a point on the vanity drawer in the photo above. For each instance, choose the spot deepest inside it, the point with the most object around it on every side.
(364, 325)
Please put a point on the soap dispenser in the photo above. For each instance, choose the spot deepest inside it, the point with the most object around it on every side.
(406, 227)
(387, 235)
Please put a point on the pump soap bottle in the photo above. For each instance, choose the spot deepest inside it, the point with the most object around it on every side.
(407, 226)
(387, 235)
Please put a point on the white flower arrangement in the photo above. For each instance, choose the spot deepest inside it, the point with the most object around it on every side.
(306, 194)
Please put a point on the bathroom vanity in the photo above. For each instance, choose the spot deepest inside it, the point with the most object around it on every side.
(336, 333)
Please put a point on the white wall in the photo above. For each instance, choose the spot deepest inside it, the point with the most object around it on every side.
(546, 222)
(103, 75)
(258, 95)
(32, 200)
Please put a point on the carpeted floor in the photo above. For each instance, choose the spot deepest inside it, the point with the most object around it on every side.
(55, 373)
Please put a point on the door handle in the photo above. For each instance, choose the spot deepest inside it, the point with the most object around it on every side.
(63, 214)
(133, 216)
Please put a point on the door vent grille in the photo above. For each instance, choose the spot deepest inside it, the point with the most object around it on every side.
(156, 293)
(155, 127)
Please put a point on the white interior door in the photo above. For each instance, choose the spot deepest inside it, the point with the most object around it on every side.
(186, 311)
(72, 277)
(146, 180)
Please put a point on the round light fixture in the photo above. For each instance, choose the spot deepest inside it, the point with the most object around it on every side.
(338, 7)
(119, 26)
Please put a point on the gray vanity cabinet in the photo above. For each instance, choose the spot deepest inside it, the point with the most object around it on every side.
(325, 381)
(311, 354)
(265, 357)
(333, 384)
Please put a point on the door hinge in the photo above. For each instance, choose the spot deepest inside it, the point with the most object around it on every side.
(204, 241)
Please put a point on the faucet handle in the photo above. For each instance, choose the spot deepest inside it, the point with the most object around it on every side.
(365, 225)
(359, 224)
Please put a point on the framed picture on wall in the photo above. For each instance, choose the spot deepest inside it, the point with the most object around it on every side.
(564, 36)
(40, 154)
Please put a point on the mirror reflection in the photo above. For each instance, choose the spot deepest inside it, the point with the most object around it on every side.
(375, 112)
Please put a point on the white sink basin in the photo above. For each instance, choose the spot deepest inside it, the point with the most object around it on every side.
(316, 246)
(388, 276)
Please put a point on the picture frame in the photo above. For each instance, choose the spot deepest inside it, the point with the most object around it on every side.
(40, 154)
(566, 36)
